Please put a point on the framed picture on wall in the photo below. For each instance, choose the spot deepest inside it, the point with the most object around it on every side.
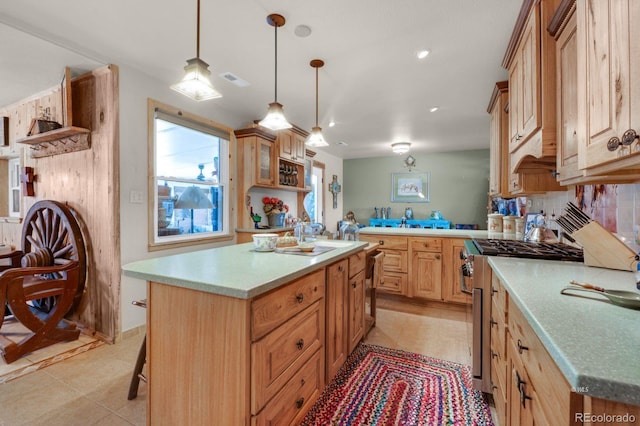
(410, 187)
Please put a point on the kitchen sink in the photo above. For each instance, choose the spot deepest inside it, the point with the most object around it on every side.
(335, 243)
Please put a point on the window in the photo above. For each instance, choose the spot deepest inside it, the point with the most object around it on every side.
(14, 187)
(190, 179)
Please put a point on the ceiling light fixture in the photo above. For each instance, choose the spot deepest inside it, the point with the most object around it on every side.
(434, 109)
(196, 83)
(400, 147)
(275, 119)
(332, 123)
(423, 54)
(315, 138)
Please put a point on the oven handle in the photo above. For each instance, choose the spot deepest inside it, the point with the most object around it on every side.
(463, 281)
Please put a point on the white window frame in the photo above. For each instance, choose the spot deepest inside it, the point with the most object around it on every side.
(14, 187)
(225, 174)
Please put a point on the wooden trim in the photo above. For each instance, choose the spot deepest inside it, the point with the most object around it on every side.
(500, 88)
(560, 17)
(255, 131)
(299, 131)
(527, 5)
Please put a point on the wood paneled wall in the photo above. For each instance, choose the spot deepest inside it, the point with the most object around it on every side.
(87, 181)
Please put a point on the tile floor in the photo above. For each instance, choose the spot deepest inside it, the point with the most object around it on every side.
(91, 388)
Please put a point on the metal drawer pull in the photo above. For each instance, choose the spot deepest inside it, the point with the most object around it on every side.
(300, 297)
(521, 347)
(629, 136)
(381, 242)
(340, 268)
(494, 354)
(299, 402)
(354, 284)
(492, 322)
(493, 290)
(300, 344)
(523, 396)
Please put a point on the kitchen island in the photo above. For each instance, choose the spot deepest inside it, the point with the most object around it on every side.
(236, 336)
(593, 344)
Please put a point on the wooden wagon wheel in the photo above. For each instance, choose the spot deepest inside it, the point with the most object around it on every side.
(50, 226)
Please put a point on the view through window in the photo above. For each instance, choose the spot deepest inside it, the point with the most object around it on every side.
(191, 179)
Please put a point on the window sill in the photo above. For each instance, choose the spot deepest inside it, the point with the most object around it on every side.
(188, 242)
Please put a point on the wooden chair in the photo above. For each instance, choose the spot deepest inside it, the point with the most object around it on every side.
(47, 284)
(140, 361)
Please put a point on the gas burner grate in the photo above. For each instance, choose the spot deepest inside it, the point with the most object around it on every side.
(516, 248)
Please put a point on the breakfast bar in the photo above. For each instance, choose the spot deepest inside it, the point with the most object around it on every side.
(238, 336)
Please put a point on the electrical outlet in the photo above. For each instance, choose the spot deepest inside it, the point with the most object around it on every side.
(136, 197)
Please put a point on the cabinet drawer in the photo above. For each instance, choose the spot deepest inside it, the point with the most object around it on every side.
(426, 244)
(540, 367)
(271, 310)
(277, 357)
(395, 260)
(498, 366)
(498, 329)
(499, 392)
(296, 397)
(394, 282)
(499, 295)
(387, 241)
(357, 262)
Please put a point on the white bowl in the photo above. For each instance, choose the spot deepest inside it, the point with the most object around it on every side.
(264, 242)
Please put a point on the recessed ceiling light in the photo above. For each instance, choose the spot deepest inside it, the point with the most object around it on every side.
(343, 143)
(302, 31)
(434, 109)
(332, 123)
(423, 54)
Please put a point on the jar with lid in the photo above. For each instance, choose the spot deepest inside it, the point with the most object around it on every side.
(349, 231)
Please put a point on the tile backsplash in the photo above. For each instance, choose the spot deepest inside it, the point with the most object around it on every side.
(616, 207)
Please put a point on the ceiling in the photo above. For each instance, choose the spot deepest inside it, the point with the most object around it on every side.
(372, 85)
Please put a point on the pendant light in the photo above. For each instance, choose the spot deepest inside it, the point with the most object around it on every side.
(196, 83)
(275, 119)
(315, 138)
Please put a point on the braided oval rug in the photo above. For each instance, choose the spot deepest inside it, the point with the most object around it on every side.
(382, 386)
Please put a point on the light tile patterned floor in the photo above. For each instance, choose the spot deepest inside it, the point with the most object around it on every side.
(91, 388)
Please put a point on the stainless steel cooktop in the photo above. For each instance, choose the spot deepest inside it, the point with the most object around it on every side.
(516, 248)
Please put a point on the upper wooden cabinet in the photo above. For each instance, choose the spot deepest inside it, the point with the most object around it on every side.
(256, 154)
(291, 144)
(608, 75)
(530, 59)
(498, 141)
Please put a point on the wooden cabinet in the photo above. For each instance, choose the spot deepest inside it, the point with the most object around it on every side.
(291, 144)
(345, 310)
(608, 75)
(530, 59)
(500, 371)
(498, 141)
(337, 306)
(421, 267)
(451, 267)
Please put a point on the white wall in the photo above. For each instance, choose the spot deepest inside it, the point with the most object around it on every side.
(333, 166)
(135, 89)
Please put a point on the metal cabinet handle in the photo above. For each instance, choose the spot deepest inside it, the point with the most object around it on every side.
(521, 388)
(613, 143)
(494, 354)
(425, 244)
(438, 256)
(381, 242)
(521, 347)
(493, 290)
(354, 284)
(300, 297)
(628, 137)
(492, 322)
(300, 344)
(299, 402)
(340, 268)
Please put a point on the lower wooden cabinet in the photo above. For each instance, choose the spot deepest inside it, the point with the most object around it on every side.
(345, 310)
(336, 328)
(421, 267)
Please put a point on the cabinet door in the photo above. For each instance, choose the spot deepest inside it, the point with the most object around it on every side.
(451, 284)
(393, 282)
(426, 272)
(529, 106)
(265, 173)
(518, 406)
(285, 143)
(356, 309)
(336, 317)
(567, 86)
(515, 90)
(608, 77)
(298, 148)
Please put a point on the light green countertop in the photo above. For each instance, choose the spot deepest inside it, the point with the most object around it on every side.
(452, 233)
(595, 344)
(236, 270)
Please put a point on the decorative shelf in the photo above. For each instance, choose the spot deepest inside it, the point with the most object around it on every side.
(58, 141)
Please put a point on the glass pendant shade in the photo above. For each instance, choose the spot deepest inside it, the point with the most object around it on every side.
(315, 138)
(275, 119)
(195, 83)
